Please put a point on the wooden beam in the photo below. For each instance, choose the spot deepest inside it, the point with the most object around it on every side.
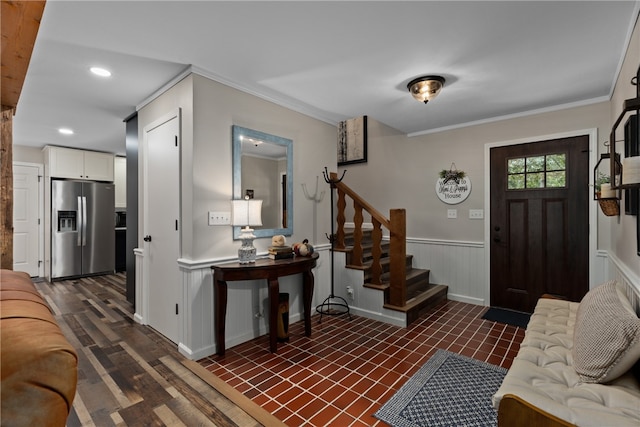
(20, 21)
(6, 190)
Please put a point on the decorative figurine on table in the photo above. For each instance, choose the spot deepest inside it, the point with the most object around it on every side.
(279, 248)
(303, 249)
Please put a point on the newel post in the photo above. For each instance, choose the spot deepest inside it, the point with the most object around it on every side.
(398, 255)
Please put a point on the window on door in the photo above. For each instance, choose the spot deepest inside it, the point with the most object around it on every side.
(541, 171)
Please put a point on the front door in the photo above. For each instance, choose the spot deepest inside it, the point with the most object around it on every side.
(539, 222)
(161, 229)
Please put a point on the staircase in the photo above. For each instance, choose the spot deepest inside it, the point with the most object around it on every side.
(386, 265)
(421, 295)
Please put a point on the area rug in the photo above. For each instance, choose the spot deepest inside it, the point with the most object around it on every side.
(448, 390)
(510, 317)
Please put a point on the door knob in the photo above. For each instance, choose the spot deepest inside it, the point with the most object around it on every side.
(496, 239)
(496, 228)
(147, 238)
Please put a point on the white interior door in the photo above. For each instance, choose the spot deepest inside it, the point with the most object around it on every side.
(161, 225)
(26, 218)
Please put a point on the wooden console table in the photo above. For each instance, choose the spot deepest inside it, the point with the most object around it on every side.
(270, 270)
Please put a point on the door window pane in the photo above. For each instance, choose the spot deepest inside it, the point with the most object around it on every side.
(535, 180)
(546, 171)
(556, 162)
(535, 164)
(516, 182)
(515, 166)
(556, 179)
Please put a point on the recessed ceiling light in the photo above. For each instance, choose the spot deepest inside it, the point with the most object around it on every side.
(66, 131)
(100, 72)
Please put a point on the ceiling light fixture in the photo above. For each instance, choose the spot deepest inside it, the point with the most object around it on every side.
(426, 88)
(100, 72)
(66, 131)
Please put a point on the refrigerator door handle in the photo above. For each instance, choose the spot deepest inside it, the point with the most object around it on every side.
(84, 221)
(79, 233)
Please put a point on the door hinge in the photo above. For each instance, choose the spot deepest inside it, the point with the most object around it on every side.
(39, 263)
(39, 178)
(38, 221)
(176, 308)
(176, 225)
(176, 138)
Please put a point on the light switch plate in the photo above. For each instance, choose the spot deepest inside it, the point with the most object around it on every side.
(476, 213)
(452, 213)
(219, 218)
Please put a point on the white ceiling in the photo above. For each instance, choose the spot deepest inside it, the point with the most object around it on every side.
(331, 60)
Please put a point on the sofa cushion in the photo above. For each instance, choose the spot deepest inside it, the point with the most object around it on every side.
(606, 336)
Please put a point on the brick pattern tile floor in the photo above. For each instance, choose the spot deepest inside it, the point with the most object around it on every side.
(347, 369)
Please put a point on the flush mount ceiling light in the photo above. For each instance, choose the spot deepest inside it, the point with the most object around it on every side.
(425, 88)
(66, 131)
(102, 72)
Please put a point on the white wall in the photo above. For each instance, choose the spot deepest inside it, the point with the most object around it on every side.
(623, 228)
(217, 108)
(22, 153)
(208, 111)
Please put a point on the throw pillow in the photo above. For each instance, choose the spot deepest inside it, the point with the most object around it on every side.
(606, 338)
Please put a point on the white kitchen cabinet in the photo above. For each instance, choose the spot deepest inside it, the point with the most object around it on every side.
(79, 164)
(120, 180)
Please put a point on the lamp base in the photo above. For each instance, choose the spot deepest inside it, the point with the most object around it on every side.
(247, 252)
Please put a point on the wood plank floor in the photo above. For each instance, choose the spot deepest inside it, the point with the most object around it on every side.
(129, 375)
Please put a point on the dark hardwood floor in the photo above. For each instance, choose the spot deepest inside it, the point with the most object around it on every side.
(129, 375)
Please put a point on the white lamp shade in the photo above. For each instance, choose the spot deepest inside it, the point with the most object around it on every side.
(246, 212)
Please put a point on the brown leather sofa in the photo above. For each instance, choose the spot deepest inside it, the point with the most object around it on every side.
(39, 368)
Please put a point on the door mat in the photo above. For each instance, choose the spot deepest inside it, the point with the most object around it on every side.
(510, 317)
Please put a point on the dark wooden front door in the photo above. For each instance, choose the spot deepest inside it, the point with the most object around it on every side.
(539, 222)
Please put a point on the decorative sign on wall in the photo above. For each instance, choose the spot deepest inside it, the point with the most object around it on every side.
(453, 186)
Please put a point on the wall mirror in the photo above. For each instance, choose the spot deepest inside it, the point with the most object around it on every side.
(263, 169)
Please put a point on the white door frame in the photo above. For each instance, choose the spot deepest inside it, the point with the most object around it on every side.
(592, 133)
(40, 168)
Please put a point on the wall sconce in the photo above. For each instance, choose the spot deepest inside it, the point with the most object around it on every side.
(245, 213)
(603, 192)
(426, 88)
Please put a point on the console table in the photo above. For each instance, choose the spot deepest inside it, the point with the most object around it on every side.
(270, 270)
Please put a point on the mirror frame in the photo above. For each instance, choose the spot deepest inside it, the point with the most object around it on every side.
(237, 132)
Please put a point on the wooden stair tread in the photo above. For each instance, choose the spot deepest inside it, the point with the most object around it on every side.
(434, 291)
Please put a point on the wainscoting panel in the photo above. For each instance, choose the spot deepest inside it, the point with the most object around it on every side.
(247, 304)
(459, 265)
(622, 274)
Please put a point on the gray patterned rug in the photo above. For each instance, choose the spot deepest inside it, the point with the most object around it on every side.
(448, 390)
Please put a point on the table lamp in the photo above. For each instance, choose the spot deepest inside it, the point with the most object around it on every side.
(244, 213)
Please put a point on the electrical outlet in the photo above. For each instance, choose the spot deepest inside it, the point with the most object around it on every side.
(350, 292)
(452, 213)
(219, 218)
(476, 214)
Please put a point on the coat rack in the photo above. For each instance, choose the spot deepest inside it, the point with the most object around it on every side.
(316, 198)
(333, 305)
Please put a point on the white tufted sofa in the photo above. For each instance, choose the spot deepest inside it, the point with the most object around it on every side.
(542, 387)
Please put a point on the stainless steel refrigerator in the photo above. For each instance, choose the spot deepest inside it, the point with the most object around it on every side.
(83, 228)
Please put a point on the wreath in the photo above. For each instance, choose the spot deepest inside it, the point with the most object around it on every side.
(452, 174)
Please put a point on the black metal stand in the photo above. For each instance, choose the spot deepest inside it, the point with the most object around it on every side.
(333, 305)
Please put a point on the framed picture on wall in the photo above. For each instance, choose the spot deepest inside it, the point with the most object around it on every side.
(352, 141)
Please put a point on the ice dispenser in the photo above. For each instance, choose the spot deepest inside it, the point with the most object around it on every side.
(67, 221)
